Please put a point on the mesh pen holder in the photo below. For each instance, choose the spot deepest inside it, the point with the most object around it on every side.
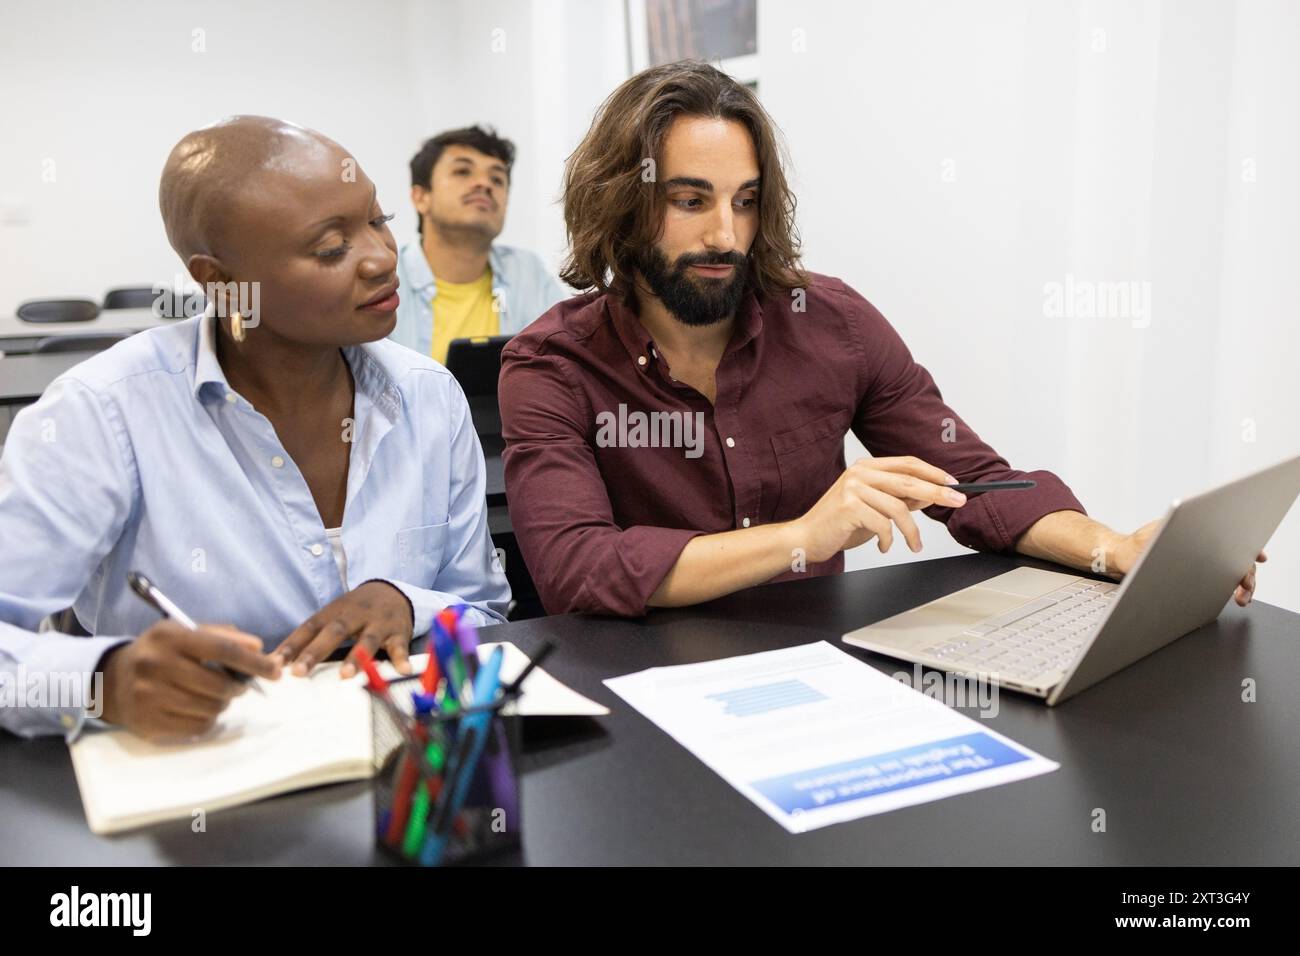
(444, 804)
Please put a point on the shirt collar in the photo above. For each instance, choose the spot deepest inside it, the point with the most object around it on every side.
(750, 322)
(416, 267)
(373, 380)
(368, 372)
(630, 331)
(207, 370)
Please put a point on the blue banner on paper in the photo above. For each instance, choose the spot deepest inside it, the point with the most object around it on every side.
(888, 772)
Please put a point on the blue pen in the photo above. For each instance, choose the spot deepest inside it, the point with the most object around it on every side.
(444, 647)
(472, 737)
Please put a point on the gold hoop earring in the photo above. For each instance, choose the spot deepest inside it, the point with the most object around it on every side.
(237, 327)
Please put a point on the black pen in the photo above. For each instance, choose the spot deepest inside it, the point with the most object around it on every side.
(979, 487)
(164, 605)
(515, 685)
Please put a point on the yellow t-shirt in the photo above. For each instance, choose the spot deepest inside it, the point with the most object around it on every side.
(463, 310)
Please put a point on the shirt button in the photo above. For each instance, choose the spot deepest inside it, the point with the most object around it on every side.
(745, 523)
(231, 397)
(640, 360)
(277, 462)
(317, 550)
(731, 443)
(67, 720)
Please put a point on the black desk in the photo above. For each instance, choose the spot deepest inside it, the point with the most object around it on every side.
(23, 377)
(1187, 772)
(17, 336)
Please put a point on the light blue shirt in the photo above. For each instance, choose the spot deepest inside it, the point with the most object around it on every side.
(522, 289)
(143, 458)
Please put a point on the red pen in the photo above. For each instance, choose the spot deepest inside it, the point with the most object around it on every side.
(429, 679)
(376, 679)
(448, 618)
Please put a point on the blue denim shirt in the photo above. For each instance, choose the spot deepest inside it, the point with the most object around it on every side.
(143, 458)
(522, 287)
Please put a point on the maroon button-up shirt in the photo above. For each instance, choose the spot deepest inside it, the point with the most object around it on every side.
(601, 524)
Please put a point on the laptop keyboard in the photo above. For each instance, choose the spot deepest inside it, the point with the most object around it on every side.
(1031, 641)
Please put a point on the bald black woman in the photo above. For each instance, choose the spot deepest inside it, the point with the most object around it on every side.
(274, 465)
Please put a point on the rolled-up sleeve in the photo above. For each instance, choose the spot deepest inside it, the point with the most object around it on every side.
(579, 558)
(903, 413)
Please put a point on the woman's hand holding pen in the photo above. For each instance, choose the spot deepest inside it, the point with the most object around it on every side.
(375, 614)
(159, 686)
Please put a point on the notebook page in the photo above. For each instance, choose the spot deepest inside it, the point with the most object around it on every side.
(306, 731)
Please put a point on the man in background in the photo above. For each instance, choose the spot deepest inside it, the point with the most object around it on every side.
(456, 282)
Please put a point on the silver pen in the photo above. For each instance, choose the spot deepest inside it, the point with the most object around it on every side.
(164, 605)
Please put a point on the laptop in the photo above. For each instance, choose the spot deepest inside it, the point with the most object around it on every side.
(1052, 635)
(476, 363)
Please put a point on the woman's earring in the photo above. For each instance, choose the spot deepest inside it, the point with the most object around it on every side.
(237, 327)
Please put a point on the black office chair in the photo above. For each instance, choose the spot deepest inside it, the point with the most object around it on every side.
(135, 297)
(58, 310)
(166, 304)
(91, 342)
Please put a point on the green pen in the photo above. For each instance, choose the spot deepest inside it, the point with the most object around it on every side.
(435, 753)
(419, 821)
(461, 675)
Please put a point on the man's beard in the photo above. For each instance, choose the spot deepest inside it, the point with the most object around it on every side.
(696, 300)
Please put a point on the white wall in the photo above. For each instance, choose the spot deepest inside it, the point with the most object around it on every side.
(104, 90)
(1257, 340)
(952, 158)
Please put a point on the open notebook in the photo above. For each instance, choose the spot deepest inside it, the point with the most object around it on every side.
(305, 732)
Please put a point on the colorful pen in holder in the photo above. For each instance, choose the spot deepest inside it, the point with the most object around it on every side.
(446, 785)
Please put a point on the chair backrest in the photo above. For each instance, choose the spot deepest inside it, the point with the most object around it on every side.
(476, 363)
(90, 342)
(135, 297)
(58, 310)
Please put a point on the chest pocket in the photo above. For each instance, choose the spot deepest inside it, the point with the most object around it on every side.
(809, 458)
(419, 553)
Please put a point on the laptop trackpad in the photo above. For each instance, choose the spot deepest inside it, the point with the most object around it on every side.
(948, 616)
(940, 620)
(1028, 583)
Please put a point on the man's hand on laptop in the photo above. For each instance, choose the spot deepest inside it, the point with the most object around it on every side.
(1131, 546)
